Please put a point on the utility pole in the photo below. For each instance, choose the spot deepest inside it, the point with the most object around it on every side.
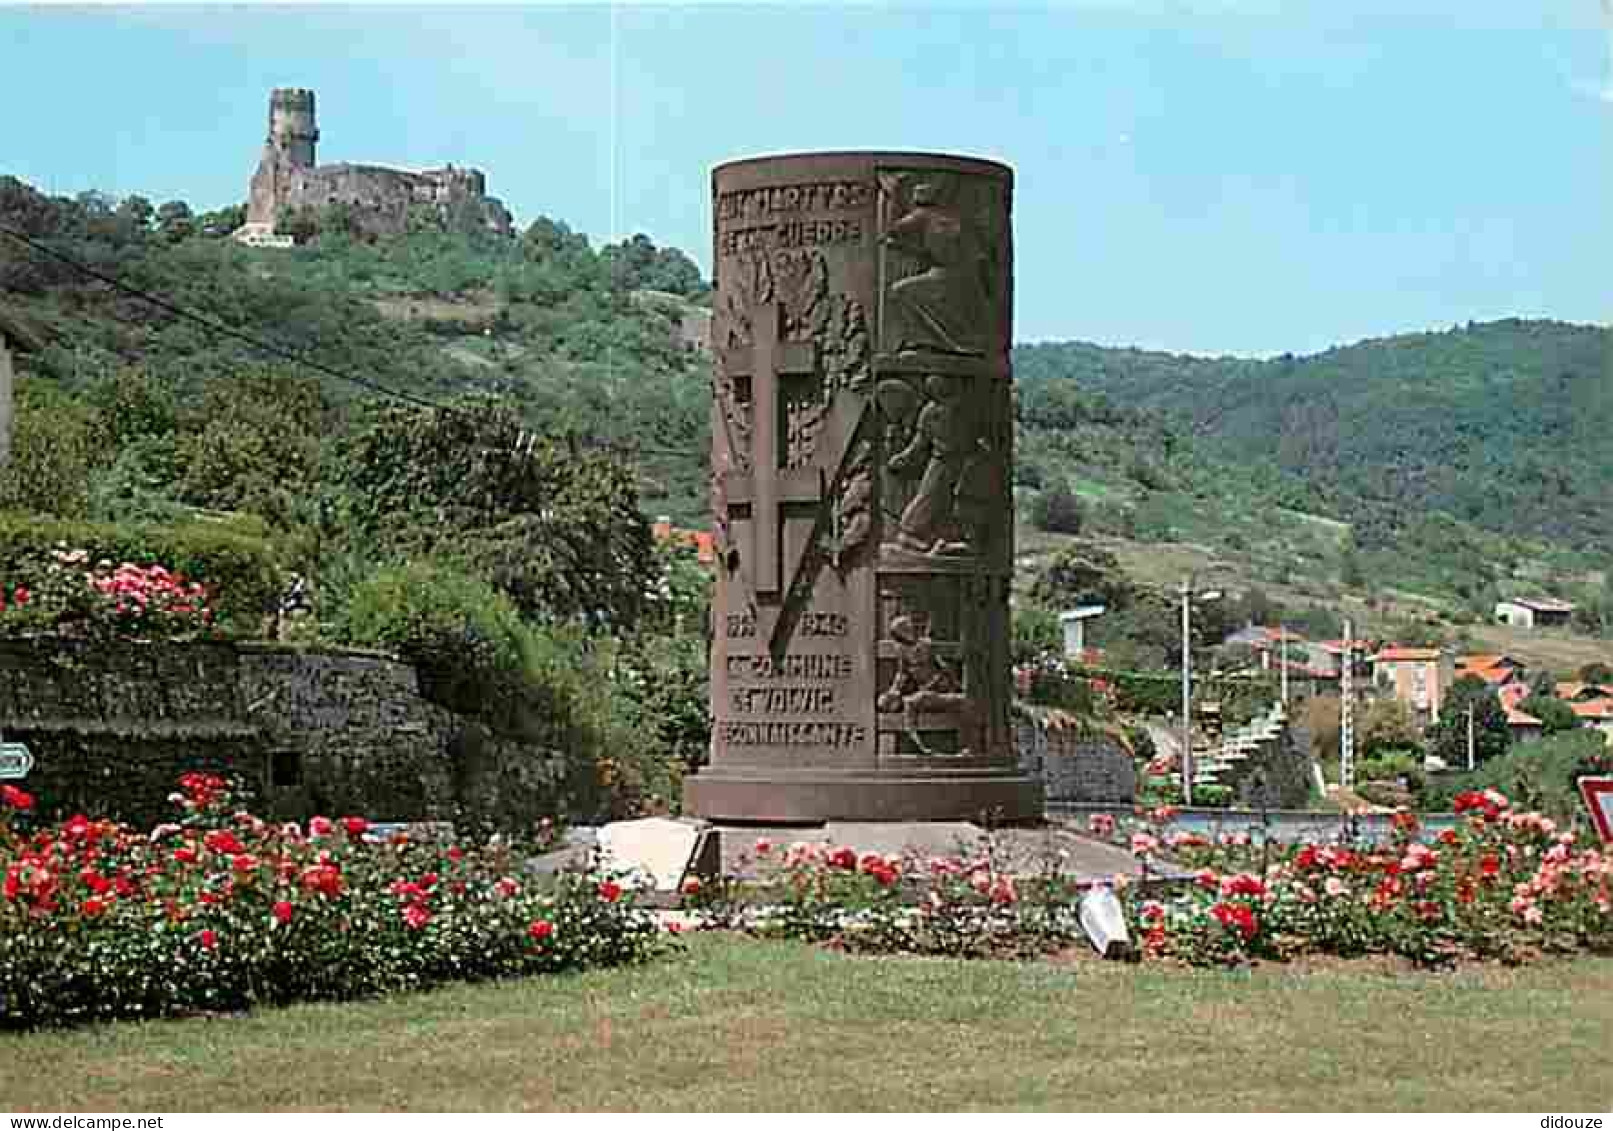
(1282, 630)
(1187, 690)
(1347, 710)
(1470, 736)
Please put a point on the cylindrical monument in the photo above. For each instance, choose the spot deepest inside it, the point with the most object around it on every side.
(862, 435)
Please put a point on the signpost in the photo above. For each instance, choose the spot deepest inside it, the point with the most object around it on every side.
(1598, 795)
(15, 760)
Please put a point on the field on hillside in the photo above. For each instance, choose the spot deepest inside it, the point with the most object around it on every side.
(741, 1025)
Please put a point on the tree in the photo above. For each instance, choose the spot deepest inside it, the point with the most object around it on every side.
(1320, 718)
(175, 221)
(1057, 511)
(222, 221)
(1447, 739)
(556, 528)
(138, 211)
(1596, 672)
(1553, 713)
(1083, 574)
(1386, 724)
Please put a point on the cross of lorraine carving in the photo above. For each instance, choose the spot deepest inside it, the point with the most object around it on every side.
(770, 486)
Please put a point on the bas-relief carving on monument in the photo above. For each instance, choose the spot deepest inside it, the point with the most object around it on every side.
(861, 445)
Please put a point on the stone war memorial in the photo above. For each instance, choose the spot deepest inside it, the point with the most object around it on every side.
(862, 434)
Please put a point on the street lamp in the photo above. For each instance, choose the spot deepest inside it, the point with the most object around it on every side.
(1188, 599)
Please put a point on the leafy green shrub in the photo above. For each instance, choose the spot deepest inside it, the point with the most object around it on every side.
(232, 557)
(1541, 774)
(1212, 796)
(464, 638)
(56, 446)
(555, 686)
(1393, 766)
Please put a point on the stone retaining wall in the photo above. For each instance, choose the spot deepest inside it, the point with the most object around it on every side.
(1074, 764)
(113, 725)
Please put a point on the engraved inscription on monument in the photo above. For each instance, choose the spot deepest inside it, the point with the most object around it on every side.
(861, 444)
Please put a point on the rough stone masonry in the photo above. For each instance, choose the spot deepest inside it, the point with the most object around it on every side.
(861, 449)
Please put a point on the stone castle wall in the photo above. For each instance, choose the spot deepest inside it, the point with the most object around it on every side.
(112, 726)
(381, 199)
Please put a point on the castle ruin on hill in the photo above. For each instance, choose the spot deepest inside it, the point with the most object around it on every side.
(381, 201)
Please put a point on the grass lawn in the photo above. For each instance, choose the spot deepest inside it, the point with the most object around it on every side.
(733, 1024)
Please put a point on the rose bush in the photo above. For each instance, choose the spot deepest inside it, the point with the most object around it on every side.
(64, 591)
(1505, 885)
(221, 910)
(966, 905)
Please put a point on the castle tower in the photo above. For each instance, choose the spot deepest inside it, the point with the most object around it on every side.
(292, 130)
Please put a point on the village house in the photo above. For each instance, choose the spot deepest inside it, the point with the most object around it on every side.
(1418, 677)
(1533, 612)
(1520, 723)
(1496, 671)
(1592, 702)
(702, 542)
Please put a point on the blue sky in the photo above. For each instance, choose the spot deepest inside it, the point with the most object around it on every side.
(1207, 176)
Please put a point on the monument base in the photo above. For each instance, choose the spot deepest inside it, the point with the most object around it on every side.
(986, 797)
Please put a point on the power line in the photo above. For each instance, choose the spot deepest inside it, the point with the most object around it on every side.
(212, 324)
(282, 352)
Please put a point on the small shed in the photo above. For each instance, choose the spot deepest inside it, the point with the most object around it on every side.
(1533, 612)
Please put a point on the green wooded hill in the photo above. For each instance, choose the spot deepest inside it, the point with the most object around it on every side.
(1507, 426)
(1454, 465)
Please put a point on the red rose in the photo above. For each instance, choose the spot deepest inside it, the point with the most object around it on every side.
(91, 908)
(319, 827)
(540, 930)
(21, 595)
(843, 858)
(355, 826)
(208, 938)
(223, 841)
(1236, 916)
(15, 798)
(324, 879)
(282, 911)
(610, 891)
(416, 916)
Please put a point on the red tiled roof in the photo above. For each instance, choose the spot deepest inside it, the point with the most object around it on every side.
(1395, 654)
(1488, 675)
(1502, 660)
(1594, 709)
(703, 542)
(1573, 689)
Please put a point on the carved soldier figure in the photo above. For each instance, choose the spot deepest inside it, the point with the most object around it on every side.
(944, 305)
(944, 444)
